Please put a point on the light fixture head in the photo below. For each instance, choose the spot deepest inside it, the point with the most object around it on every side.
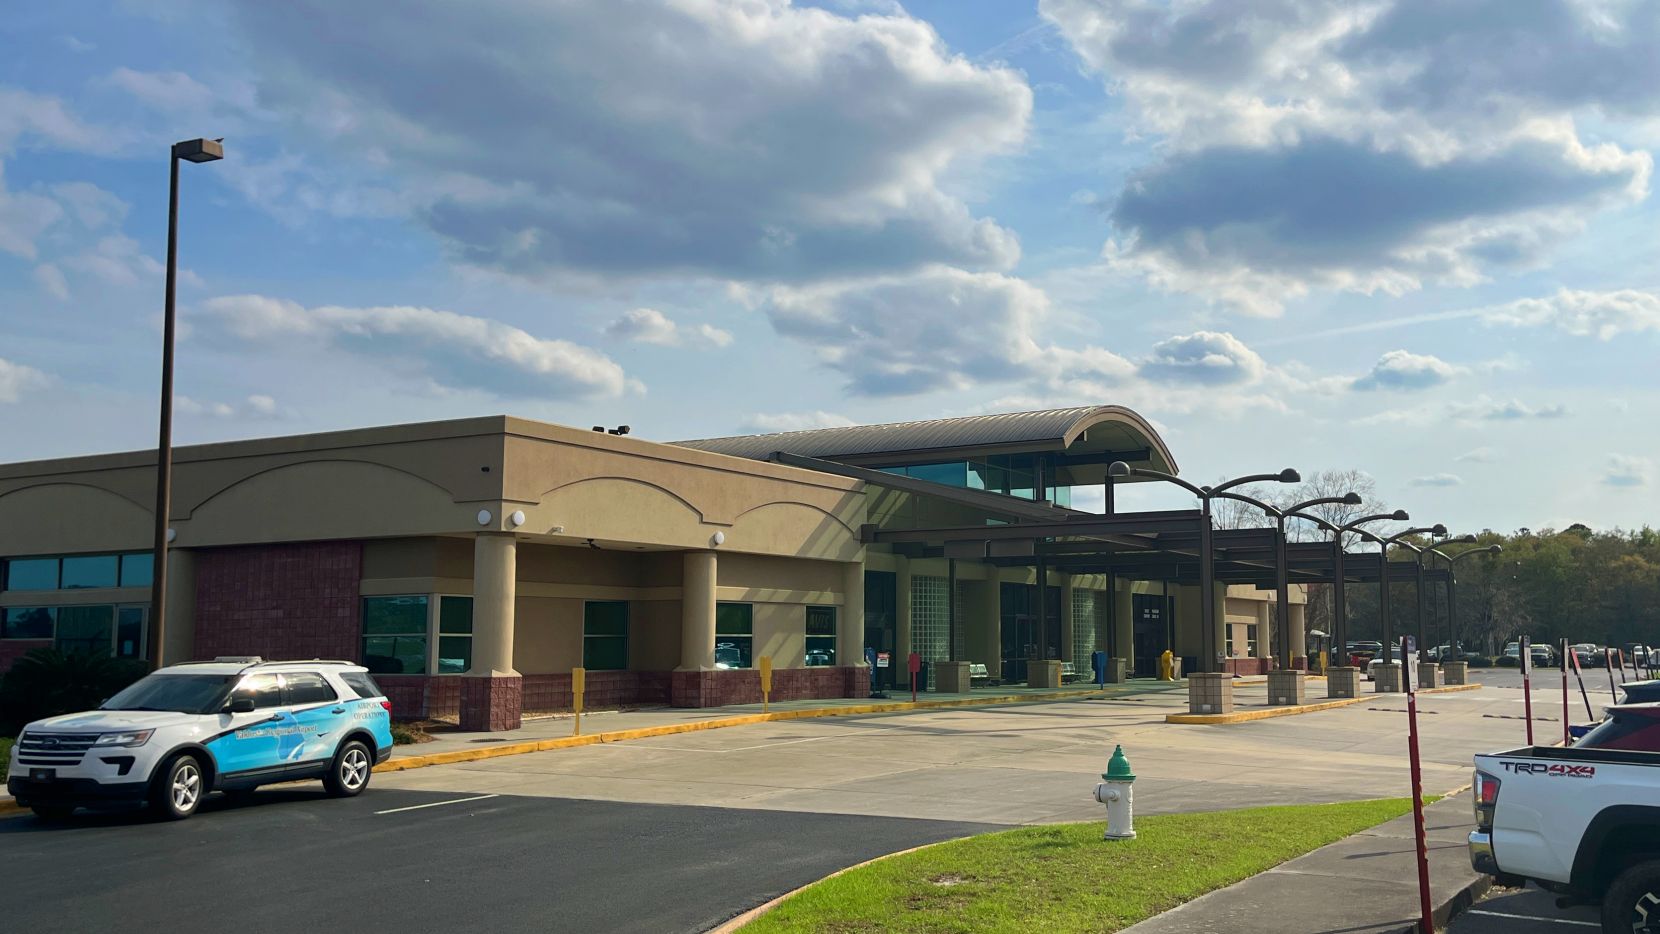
(1289, 475)
(199, 150)
(1351, 498)
(1118, 470)
(1495, 548)
(1400, 515)
(1438, 529)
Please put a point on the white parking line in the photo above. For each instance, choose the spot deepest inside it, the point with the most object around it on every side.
(1501, 914)
(436, 804)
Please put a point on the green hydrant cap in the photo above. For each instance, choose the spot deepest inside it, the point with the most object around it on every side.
(1118, 767)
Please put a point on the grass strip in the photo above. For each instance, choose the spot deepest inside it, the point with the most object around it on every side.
(1064, 877)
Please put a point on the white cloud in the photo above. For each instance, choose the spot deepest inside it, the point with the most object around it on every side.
(752, 140)
(1481, 408)
(456, 351)
(770, 423)
(650, 326)
(1206, 358)
(51, 281)
(116, 260)
(1323, 144)
(1626, 470)
(253, 408)
(1437, 479)
(1400, 369)
(1507, 410)
(942, 328)
(17, 379)
(163, 90)
(1605, 315)
(1481, 455)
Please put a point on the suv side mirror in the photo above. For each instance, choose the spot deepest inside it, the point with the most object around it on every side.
(240, 705)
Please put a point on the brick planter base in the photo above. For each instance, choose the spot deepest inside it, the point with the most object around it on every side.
(1343, 681)
(722, 688)
(491, 704)
(1429, 675)
(1210, 692)
(1456, 672)
(1388, 678)
(1287, 688)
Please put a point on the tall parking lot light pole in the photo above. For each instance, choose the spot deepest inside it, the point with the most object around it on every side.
(191, 150)
(1282, 571)
(1383, 573)
(1452, 584)
(1208, 649)
(1423, 588)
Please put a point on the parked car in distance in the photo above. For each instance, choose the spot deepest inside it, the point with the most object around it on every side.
(1362, 653)
(1394, 656)
(1588, 654)
(1542, 656)
(1626, 726)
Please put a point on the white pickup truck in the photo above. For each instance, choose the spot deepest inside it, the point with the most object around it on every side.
(1583, 823)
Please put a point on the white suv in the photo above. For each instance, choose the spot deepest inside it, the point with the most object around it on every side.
(231, 725)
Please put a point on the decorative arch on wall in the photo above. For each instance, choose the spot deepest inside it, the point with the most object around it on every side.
(323, 499)
(69, 516)
(560, 490)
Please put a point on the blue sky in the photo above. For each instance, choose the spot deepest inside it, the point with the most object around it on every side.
(1409, 237)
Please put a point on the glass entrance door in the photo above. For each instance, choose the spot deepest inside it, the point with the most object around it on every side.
(1151, 632)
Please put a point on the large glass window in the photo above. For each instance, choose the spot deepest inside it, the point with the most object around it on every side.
(395, 634)
(86, 571)
(85, 629)
(734, 635)
(28, 622)
(32, 574)
(455, 635)
(821, 636)
(138, 570)
(605, 635)
(129, 631)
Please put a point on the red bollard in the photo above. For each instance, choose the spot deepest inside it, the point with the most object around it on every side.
(915, 664)
(1527, 686)
(1567, 739)
(1427, 920)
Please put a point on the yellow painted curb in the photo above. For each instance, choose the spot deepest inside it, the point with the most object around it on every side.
(10, 808)
(404, 763)
(1268, 713)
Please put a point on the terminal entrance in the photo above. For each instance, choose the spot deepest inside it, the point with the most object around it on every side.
(1022, 632)
(881, 604)
(1151, 633)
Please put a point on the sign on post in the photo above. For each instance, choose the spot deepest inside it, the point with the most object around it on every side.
(766, 682)
(579, 683)
(914, 663)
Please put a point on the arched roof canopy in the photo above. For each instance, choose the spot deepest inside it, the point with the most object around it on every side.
(1080, 442)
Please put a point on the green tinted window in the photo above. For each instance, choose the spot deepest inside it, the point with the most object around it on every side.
(32, 574)
(85, 629)
(821, 636)
(87, 571)
(734, 635)
(138, 570)
(455, 615)
(28, 622)
(395, 634)
(605, 635)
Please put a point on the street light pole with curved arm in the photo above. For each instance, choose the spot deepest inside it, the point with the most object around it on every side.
(1423, 587)
(1383, 574)
(1452, 585)
(1209, 651)
(1339, 594)
(1282, 573)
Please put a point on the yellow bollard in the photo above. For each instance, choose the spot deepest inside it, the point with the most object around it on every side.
(579, 683)
(766, 682)
(1167, 666)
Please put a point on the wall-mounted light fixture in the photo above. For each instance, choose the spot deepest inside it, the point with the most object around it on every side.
(484, 517)
(517, 518)
(172, 534)
(719, 538)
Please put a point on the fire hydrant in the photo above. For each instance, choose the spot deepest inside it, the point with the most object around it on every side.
(1114, 792)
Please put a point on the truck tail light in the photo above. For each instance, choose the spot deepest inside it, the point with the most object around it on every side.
(386, 705)
(1486, 793)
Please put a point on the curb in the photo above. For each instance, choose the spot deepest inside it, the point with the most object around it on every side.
(10, 808)
(737, 921)
(1268, 713)
(404, 763)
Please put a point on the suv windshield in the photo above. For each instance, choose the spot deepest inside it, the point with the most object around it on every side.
(181, 693)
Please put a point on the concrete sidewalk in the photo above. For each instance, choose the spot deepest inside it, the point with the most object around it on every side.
(664, 720)
(1364, 884)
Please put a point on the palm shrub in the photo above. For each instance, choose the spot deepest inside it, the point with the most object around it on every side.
(48, 682)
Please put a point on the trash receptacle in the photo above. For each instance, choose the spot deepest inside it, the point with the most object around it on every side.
(1098, 665)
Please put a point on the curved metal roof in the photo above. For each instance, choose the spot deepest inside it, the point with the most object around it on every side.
(1076, 430)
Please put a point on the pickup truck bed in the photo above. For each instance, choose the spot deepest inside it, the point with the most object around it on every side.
(1573, 820)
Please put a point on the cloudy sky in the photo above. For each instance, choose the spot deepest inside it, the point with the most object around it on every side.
(1414, 237)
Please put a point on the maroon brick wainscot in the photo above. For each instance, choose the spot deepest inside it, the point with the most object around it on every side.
(723, 688)
(279, 601)
(422, 697)
(1248, 666)
(491, 704)
(604, 689)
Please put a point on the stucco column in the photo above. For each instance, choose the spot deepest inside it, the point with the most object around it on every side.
(697, 611)
(1067, 622)
(901, 615)
(1221, 622)
(1299, 638)
(1265, 647)
(495, 586)
(178, 631)
(850, 626)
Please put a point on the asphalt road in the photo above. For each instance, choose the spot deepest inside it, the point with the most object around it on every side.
(293, 859)
(1524, 911)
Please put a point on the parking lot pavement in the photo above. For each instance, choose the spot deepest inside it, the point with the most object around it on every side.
(1032, 763)
(399, 861)
(1523, 911)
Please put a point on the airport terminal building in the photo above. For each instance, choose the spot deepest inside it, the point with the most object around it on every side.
(474, 563)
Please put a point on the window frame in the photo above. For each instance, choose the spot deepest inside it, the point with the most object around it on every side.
(808, 636)
(746, 636)
(435, 624)
(6, 562)
(429, 646)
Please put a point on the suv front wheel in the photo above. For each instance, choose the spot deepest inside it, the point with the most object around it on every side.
(179, 788)
(349, 772)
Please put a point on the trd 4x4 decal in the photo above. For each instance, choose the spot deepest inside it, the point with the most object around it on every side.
(1557, 769)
